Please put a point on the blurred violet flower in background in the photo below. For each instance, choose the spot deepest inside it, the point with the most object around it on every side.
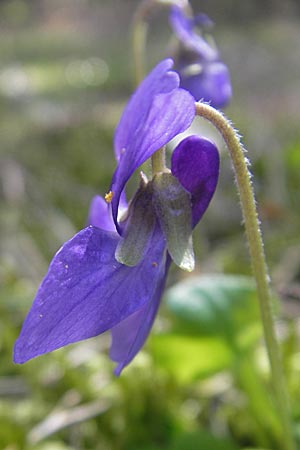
(111, 275)
(198, 62)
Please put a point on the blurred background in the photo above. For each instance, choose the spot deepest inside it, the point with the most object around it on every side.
(201, 383)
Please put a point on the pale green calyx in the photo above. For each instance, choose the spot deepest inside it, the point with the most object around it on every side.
(172, 205)
(164, 201)
(139, 226)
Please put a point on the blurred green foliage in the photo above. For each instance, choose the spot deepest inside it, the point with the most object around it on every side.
(202, 382)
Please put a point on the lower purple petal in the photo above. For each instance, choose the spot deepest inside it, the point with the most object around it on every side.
(129, 336)
(86, 292)
(195, 162)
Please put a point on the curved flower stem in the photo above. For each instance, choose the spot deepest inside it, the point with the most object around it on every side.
(243, 179)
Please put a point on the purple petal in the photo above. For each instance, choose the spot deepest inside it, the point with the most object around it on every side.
(157, 112)
(211, 83)
(129, 336)
(159, 81)
(195, 162)
(198, 63)
(86, 292)
(100, 214)
(183, 27)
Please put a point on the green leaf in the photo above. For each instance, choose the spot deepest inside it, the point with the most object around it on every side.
(217, 305)
(202, 440)
(190, 357)
(52, 445)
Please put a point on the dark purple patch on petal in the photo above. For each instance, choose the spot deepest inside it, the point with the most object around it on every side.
(86, 292)
(195, 162)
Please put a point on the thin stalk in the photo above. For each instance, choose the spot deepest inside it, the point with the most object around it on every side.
(158, 161)
(140, 29)
(139, 37)
(259, 266)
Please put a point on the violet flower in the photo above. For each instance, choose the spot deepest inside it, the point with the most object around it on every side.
(198, 62)
(111, 275)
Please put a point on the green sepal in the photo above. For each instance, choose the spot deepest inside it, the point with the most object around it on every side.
(138, 228)
(172, 204)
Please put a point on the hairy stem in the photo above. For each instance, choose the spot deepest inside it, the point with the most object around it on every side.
(258, 261)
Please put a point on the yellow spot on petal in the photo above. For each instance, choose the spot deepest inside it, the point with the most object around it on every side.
(154, 264)
(109, 196)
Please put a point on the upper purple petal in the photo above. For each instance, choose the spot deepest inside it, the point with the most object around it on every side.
(129, 336)
(86, 291)
(183, 27)
(159, 81)
(157, 112)
(195, 162)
